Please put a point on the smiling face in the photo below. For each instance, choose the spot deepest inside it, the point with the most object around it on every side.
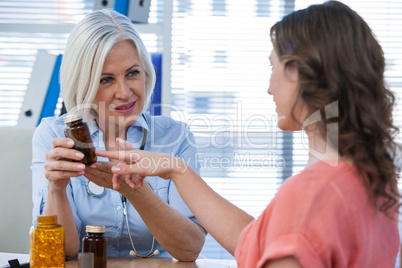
(284, 86)
(121, 94)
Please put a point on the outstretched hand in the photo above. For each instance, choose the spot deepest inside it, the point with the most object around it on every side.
(143, 163)
(101, 172)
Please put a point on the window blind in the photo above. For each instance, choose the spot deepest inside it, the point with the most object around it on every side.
(220, 75)
(27, 26)
(19, 45)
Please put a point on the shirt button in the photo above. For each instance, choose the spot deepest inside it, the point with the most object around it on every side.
(118, 208)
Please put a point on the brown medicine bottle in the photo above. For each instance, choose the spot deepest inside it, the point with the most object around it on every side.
(95, 242)
(47, 243)
(78, 131)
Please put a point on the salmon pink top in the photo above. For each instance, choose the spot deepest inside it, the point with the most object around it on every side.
(324, 218)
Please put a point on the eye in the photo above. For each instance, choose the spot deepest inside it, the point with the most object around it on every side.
(105, 80)
(133, 73)
(271, 66)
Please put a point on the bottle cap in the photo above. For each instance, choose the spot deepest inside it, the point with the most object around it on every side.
(95, 228)
(72, 118)
(47, 219)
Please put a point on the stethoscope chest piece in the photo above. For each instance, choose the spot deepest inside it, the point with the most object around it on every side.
(95, 190)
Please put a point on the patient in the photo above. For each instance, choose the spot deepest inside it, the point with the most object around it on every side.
(341, 211)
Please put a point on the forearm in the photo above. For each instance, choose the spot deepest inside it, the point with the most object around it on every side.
(57, 203)
(223, 220)
(177, 234)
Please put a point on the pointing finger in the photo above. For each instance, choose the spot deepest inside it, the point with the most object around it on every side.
(124, 145)
(128, 156)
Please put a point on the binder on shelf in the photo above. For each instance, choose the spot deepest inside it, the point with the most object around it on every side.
(136, 10)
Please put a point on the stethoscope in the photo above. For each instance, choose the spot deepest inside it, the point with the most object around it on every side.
(95, 190)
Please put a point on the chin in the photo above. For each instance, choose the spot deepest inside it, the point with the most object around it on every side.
(129, 119)
(289, 126)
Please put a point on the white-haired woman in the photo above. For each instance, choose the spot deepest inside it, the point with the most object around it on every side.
(107, 77)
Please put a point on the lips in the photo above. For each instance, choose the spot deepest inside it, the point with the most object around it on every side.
(125, 108)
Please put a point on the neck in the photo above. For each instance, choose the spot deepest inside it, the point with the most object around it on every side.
(322, 150)
(110, 133)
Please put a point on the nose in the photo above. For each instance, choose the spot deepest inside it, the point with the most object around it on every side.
(269, 91)
(123, 90)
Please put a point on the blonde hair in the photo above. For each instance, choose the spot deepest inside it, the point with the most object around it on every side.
(87, 47)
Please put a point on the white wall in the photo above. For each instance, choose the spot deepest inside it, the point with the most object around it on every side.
(15, 189)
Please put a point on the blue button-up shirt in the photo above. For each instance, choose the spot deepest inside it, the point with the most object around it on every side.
(165, 135)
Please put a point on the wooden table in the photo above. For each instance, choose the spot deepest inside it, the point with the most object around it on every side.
(127, 262)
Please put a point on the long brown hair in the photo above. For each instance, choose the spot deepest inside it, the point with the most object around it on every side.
(339, 59)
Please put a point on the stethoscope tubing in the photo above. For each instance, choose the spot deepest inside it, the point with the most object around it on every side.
(95, 190)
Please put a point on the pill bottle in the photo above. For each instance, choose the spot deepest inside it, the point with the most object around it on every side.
(78, 131)
(95, 242)
(47, 243)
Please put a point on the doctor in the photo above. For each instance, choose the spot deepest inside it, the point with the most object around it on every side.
(107, 76)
